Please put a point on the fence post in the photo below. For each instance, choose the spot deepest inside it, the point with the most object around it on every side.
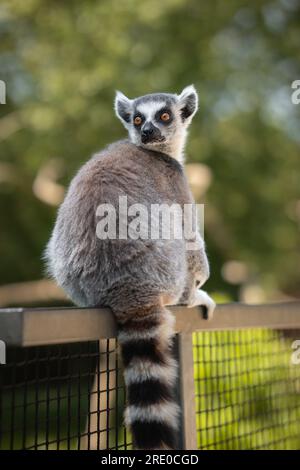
(102, 399)
(186, 389)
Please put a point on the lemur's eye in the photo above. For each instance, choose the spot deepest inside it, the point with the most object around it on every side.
(165, 117)
(137, 120)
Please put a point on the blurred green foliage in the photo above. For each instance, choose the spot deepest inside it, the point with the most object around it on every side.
(247, 390)
(62, 62)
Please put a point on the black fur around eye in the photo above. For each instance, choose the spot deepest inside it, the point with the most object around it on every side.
(137, 120)
(164, 116)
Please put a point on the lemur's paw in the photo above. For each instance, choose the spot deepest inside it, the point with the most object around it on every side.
(204, 300)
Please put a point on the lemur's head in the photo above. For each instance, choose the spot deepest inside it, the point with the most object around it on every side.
(158, 121)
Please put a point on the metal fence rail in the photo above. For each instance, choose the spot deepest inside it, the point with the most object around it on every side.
(62, 386)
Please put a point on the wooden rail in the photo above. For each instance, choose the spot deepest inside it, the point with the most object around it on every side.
(38, 326)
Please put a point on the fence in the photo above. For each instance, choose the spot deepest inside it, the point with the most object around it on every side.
(62, 386)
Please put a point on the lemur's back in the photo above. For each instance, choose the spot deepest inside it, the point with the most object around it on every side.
(85, 265)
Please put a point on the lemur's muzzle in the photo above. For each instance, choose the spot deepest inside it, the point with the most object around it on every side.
(150, 133)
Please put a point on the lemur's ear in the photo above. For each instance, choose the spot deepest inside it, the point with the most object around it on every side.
(123, 108)
(188, 102)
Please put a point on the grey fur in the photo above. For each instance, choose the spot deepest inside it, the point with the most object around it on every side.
(133, 277)
(87, 268)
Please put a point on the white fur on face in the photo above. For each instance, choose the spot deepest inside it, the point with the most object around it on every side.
(175, 139)
(150, 108)
(175, 145)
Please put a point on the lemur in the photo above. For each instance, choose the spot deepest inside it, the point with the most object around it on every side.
(137, 278)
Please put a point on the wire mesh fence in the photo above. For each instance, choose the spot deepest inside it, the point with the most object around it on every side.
(72, 396)
(247, 390)
(63, 397)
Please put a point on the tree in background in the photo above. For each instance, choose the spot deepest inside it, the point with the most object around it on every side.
(62, 62)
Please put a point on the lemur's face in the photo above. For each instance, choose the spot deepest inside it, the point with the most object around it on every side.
(157, 121)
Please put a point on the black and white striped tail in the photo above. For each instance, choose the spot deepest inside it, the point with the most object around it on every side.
(150, 374)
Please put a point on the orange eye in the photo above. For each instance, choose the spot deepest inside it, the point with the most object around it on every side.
(165, 117)
(137, 120)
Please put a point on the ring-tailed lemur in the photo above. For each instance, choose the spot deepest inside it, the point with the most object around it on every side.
(136, 278)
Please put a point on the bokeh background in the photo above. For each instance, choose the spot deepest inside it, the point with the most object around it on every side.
(63, 61)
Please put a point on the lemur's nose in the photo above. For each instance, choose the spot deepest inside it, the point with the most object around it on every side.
(148, 129)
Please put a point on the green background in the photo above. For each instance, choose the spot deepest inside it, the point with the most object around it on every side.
(63, 61)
